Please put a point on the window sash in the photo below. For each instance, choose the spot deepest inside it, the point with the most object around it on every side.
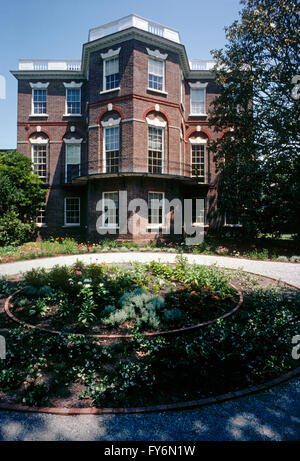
(111, 209)
(156, 74)
(111, 73)
(73, 161)
(201, 217)
(39, 160)
(198, 101)
(155, 208)
(39, 98)
(73, 97)
(198, 161)
(72, 211)
(155, 149)
(111, 148)
(40, 219)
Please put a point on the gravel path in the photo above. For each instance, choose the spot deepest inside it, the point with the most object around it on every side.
(270, 415)
(287, 272)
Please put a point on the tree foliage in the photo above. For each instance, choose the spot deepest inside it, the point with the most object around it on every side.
(21, 197)
(259, 178)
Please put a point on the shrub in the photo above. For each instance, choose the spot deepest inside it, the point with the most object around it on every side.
(282, 259)
(36, 278)
(295, 259)
(172, 315)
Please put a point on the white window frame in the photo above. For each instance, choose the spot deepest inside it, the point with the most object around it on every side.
(42, 212)
(110, 123)
(197, 142)
(163, 76)
(199, 224)
(69, 142)
(66, 224)
(159, 225)
(231, 225)
(109, 225)
(202, 87)
(40, 142)
(38, 86)
(111, 54)
(72, 86)
(156, 123)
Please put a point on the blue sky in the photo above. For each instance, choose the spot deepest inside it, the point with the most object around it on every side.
(41, 29)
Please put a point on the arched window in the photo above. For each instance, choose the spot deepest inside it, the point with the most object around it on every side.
(199, 156)
(156, 143)
(39, 155)
(111, 143)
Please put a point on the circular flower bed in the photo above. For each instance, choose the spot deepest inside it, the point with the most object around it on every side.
(110, 301)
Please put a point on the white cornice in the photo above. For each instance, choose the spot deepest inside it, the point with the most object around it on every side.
(39, 140)
(157, 54)
(110, 54)
(156, 122)
(111, 122)
(39, 85)
(198, 140)
(198, 85)
(73, 141)
(72, 85)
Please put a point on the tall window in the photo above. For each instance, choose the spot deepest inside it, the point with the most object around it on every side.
(110, 209)
(155, 149)
(155, 209)
(111, 73)
(40, 219)
(232, 219)
(73, 158)
(198, 101)
(39, 101)
(198, 161)
(73, 99)
(111, 147)
(198, 210)
(156, 74)
(72, 211)
(39, 160)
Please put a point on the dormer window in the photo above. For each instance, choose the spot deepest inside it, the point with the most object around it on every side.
(111, 75)
(198, 98)
(73, 98)
(39, 98)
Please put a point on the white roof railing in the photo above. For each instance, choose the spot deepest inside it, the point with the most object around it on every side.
(134, 21)
(49, 64)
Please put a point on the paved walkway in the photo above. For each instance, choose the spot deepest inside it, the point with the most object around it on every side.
(270, 415)
(287, 272)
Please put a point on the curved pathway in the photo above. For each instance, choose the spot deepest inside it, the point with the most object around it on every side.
(287, 272)
(270, 415)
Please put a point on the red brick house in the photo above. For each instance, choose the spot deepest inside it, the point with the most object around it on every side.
(131, 116)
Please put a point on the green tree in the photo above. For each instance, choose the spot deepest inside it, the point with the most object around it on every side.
(21, 197)
(260, 175)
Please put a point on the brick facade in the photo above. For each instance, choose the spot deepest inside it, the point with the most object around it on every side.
(132, 105)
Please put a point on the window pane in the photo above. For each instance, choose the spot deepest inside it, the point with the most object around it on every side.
(73, 101)
(112, 143)
(40, 160)
(198, 161)
(155, 208)
(155, 149)
(198, 101)
(72, 212)
(156, 74)
(73, 154)
(111, 208)
(111, 69)
(39, 101)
